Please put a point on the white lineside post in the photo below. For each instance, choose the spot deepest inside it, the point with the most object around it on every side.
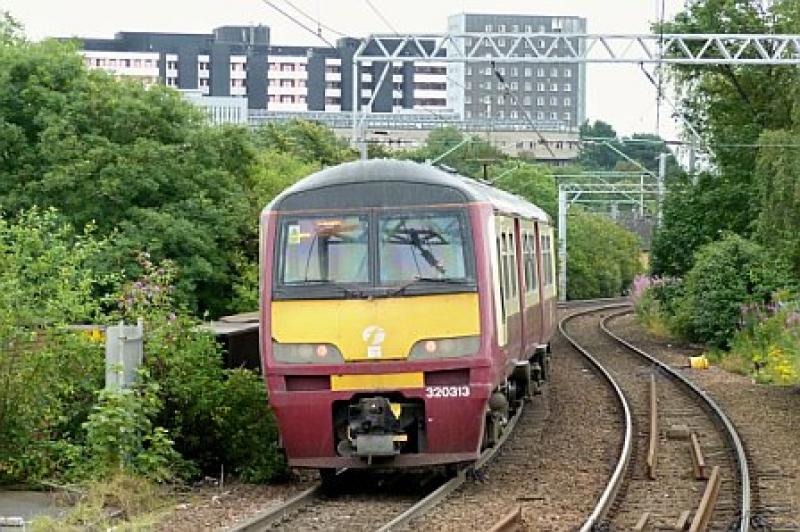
(562, 244)
(124, 354)
(662, 174)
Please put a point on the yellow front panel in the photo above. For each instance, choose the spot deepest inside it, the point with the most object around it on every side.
(381, 329)
(386, 381)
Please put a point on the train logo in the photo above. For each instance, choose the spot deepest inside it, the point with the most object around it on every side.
(374, 337)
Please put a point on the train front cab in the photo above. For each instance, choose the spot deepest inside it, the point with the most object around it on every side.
(392, 366)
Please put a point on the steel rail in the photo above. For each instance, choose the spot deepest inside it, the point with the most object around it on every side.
(262, 520)
(615, 481)
(730, 430)
(442, 492)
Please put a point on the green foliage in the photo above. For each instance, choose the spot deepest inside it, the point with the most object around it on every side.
(310, 142)
(248, 428)
(768, 341)
(778, 181)
(598, 154)
(121, 437)
(467, 156)
(533, 182)
(726, 275)
(10, 30)
(603, 257)
(48, 372)
(693, 216)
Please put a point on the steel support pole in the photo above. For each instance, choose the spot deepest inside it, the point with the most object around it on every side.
(562, 244)
(355, 84)
(662, 175)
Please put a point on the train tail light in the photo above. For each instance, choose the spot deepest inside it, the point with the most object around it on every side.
(306, 353)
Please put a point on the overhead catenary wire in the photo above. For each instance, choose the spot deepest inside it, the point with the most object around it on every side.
(294, 19)
(380, 16)
(316, 20)
(525, 112)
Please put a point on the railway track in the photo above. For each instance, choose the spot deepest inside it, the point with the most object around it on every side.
(363, 500)
(681, 465)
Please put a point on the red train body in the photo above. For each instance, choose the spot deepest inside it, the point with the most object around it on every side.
(404, 312)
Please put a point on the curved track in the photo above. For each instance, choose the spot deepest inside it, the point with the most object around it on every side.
(630, 494)
(379, 502)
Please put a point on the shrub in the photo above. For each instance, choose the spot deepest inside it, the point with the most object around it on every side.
(769, 341)
(603, 257)
(726, 275)
(648, 307)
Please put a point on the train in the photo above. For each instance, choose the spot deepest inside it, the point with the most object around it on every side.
(405, 312)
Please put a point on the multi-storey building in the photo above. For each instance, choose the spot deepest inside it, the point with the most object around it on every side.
(241, 61)
(549, 93)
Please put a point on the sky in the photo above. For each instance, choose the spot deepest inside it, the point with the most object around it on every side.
(617, 94)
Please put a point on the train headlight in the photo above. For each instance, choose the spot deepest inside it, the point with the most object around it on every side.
(434, 348)
(306, 353)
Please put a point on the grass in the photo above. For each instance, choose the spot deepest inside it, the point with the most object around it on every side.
(122, 503)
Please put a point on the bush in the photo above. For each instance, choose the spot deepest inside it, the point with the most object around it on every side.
(768, 342)
(603, 257)
(726, 275)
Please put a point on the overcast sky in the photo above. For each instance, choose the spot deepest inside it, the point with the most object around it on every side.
(618, 94)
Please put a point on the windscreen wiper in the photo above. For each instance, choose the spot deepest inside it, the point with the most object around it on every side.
(444, 280)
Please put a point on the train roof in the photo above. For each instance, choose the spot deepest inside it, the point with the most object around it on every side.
(393, 171)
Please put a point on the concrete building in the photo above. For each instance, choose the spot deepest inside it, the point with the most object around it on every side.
(553, 93)
(240, 61)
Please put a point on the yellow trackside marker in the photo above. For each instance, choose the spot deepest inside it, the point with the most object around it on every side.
(396, 409)
(382, 381)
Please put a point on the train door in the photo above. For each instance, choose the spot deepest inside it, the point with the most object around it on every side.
(507, 291)
(532, 312)
(548, 279)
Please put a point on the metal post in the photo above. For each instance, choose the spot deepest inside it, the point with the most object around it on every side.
(662, 174)
(124, 354)
(692, 162)
(562, 244)
(356, 86)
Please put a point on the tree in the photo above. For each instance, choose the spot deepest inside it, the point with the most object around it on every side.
(138, 162)
(10, 30)
(533, 182)
(603, 257)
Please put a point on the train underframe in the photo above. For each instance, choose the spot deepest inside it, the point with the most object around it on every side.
(437, 424)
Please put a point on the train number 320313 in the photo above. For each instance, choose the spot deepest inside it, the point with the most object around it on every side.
(446, 391)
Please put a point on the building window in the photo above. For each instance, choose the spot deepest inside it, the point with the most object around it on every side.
(204, 82)
(567, 72)
(554, 101)
(468, 99)
(501, 42)
(271, 98)
(287, 98)
(540, 86)
(501, 100)
(553, 116)
(528, 72)
(301, 83)
(528, 28)
(330, 69)
(540, 101)
(567, 115)
(514, 86)
(488, 28)
(467, 114)
(502, 71)
(501, 28)
(172, 65)
(137, 63)
(273, 66)
(500, 113)
(514, 71)
(526, 100)
(567, 102)
(333, 101)
(515, 28)
(469, 70)
(540, 72)
(567, 87)
(469, 85)
(553, 72)
(554, 87)
(286, 83)
(273, 82)
(287, 67)
(514, 114)
(541, 43)
(539, 115)
(528, 86)
(301, 99)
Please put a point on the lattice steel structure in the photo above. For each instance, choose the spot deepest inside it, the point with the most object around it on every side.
(702, 49)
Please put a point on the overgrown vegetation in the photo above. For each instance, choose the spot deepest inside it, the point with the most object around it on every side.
(732, 239)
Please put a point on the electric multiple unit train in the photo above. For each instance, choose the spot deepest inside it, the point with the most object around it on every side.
(405, 312)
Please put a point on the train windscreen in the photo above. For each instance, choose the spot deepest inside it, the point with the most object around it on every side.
(422, 246)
